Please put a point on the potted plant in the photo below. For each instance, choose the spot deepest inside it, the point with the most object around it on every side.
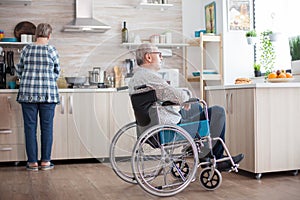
(274, 36)
(251, 37)
(266, 52)
(294, 43)
(257, 72)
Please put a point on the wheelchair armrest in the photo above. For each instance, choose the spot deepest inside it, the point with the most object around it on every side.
(191, 100)
(140, 87)
(168, 103)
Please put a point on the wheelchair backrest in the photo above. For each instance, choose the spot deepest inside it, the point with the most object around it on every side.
(141, 102)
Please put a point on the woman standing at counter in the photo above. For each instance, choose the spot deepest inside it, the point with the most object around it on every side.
(38, 70)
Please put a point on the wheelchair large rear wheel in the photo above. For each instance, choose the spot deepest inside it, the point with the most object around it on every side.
(121, 151)
(161, 163)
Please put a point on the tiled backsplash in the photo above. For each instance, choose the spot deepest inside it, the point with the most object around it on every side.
(80, 52)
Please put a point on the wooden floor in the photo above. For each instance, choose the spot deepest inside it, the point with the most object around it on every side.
(90, 181)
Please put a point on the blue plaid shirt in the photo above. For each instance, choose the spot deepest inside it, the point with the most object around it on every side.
(38, 70)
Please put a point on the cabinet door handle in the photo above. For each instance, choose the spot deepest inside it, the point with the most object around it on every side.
(230, 104)
(5, 131)
(62, 110)
(9, 102)
(226, 103)
(6, 149)
(70, 104)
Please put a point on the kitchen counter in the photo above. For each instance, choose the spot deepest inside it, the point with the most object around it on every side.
(255, 85)
(70, 90)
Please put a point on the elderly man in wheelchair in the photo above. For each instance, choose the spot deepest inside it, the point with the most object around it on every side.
(176, 134)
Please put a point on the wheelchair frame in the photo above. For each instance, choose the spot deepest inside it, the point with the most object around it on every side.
(165, 169)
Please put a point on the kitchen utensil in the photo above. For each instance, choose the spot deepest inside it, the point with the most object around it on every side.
(10, 63)
(23, 38)
(2, 75)
(78, 80)
(24, 27)
(129, 63)
(10, 69)
(9, 40)
(97, 76)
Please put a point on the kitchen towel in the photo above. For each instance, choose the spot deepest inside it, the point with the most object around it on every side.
(5, 113)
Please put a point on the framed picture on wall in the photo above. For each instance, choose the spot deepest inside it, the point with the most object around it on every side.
(210, 18)
(240, 15)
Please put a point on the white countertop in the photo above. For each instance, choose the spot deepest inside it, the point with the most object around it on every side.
(71, 90)
(255, 85)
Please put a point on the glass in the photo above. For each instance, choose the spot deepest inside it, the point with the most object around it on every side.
(156, 52)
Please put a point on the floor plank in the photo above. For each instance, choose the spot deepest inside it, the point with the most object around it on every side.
(78, 181)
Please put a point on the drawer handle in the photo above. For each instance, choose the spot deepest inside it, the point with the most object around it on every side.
(6, 149)
(62, 111)
(5, 131)
(70, 104)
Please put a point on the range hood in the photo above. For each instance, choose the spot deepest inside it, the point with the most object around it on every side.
(84, 21)
(15, 2)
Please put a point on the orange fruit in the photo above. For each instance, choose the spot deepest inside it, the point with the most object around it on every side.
(281, 75)
(289, 75)
(272, 75)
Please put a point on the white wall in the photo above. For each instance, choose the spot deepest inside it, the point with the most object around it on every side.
(278, 16)
(238, 56)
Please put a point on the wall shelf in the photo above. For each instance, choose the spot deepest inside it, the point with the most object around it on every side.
(163, 45)
(154, 6)
(14, 43)
(201, 43)
(207, 77)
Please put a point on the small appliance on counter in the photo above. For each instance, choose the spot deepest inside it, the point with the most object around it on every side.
(10, 68)
(129, 64)
(2, 75)
(97, 77)
(2, 70)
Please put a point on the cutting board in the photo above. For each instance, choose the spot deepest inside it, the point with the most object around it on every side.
(24, 27)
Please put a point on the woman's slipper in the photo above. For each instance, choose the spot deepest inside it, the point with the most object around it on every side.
(47, 167)
(31, 167)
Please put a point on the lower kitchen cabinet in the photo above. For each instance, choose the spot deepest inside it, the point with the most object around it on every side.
(121, 113)
(12, 140)
(262, 124)
(81, 126)
(84, 124)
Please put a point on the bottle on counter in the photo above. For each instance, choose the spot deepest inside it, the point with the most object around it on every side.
(61, 81)
(124, 33)
(18, 82)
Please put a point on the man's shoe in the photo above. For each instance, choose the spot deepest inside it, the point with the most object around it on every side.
(226, 165)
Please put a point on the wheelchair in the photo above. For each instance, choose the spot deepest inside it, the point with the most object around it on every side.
(163, 159)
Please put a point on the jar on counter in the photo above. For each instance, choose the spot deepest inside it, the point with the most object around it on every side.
(154, 39)
(1, 34)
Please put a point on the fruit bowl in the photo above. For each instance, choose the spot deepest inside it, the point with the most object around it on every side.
(279, 80)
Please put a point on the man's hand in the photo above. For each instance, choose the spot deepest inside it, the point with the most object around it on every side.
(187, 106)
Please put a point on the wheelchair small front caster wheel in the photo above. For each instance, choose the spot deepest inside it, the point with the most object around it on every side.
(258, 176)
(181, 168)
(210, 179)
